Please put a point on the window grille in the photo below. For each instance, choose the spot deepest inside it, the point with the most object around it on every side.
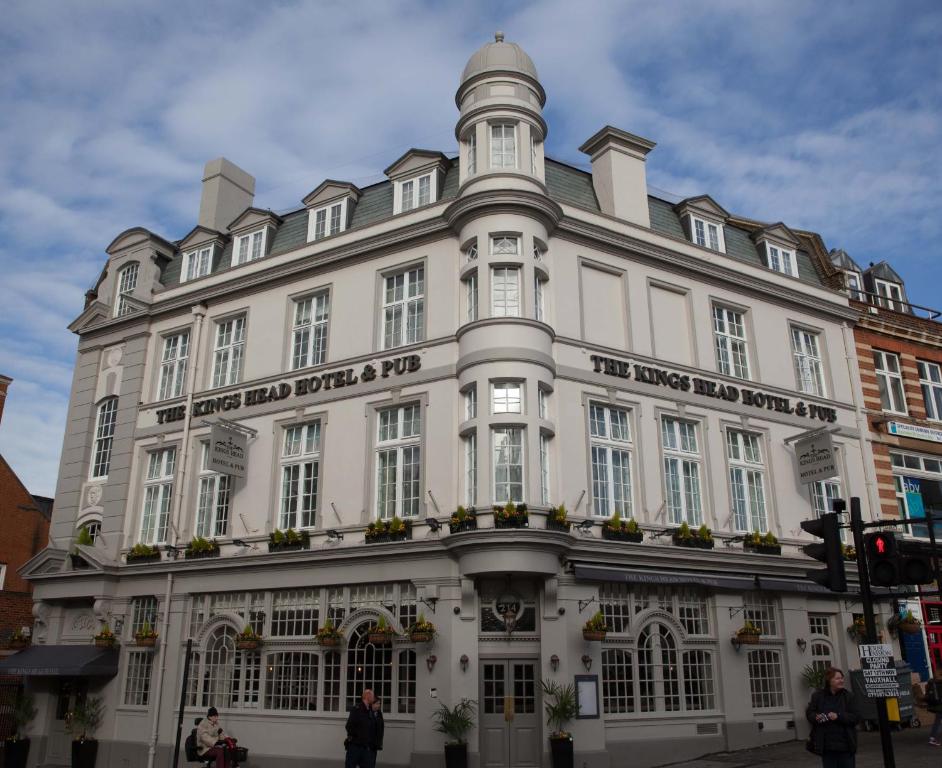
(291, 681)
(137, 683)
(765, 679)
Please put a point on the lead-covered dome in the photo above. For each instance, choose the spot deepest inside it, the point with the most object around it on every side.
(499, 56)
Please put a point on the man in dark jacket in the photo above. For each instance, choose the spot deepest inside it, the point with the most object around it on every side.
(361, 733)
(379, 727)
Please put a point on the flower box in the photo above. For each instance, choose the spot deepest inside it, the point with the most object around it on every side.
(511, 516)
(191, 555)
(694, 542)
(622, 534)
(247, 645)
(288, 541)
(748, 638)
(468, 524)
(105, 642)
(421, 637)
(593, 636)
(293, 546)
(763, 549)
(140, 557)
(552, 524)
(380, 533)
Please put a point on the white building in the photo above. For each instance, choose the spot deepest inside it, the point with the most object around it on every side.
(492, 327)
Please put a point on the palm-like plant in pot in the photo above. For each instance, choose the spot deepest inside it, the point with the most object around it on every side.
(16, 747)
(455, 722)
(81, 723)
(561, 706)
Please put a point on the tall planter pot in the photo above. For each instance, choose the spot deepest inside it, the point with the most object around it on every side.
(456, 756)
(15, 753)
(84, 753)
(561, 752)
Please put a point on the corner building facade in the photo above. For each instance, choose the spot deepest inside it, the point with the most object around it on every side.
(475, 330)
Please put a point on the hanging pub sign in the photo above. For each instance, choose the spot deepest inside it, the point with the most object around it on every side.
(816, 458)
(682, 382)
(227, 451)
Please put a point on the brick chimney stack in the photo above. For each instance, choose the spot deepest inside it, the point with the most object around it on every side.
(4, 383)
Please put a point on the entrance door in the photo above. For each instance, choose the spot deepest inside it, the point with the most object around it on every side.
(510, 715)
(68, 693)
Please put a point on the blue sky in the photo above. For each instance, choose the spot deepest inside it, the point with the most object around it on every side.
(827, 116)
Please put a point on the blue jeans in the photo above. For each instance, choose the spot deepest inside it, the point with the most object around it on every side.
(360, 757)
(837, 759)
(936, 726)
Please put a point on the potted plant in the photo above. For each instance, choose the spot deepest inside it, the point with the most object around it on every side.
(511, 516)
(813, 675)
(556, 519)
(909, 624)
(399, 529)
(765, 544)
(561, 706)
(396, 529)
(248, 639)
(595, 628)
(328, 636)
(81, 723)
(381, 633)
(142, 553)
(422, 631)
(858, 630)
(199, 548)
(463, 520)
(288, 541)
(83, 539)
(455, 722)
(105, 638)
(702, 538)
(20, 639)
(145, 637)
(850, 552)
(16, 746)
(748, 634)
(631, 531)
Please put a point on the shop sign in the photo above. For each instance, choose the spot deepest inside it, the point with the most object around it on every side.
(879, 671)
(901, 429)
(816, 458)
(664, 377)
(227, 451)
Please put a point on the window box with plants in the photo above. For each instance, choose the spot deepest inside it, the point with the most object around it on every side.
(145, 637)
(556, 519)
(422, 631)
(617, 529)
(105, 638)
(463, 520)
(142, 553)
(84, 539)
(288, 541)
(455, 723)
(328, 636)
(381, 531)
(20, 639)
(16, 745)
(561, 706)
(248, 639)
(511, 516)
(748, 634)
(595, 628)
(381, 633)
(702, 538)
(765, 544)
(81, 724)
(199, 548)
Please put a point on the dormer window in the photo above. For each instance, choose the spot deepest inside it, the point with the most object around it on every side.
(707, 233)
(890, 294)
(504, 145)
(854, 285)
(781, 260)
(196, 263)
(327, 221)
(250, 247)
(414, 193)
(127, 282)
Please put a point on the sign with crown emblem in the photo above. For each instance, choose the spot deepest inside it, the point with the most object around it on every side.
(227, 451)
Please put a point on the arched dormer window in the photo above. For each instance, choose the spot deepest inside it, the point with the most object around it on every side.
(127, 282)
(104, 437)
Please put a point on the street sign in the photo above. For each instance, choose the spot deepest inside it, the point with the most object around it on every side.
(227, 451)
(879, 671)
(816, 458)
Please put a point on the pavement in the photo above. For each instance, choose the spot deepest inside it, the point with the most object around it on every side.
(911, 749)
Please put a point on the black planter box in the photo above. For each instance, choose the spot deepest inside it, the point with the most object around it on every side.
(554, 525)
(468, 524)
(381, 537)
(456, 756)
(15, 753)
(612, 535)
(84, 753)
(151, 557)
(561, 752)
(189, 555)
(513, 522)
(763, 549)
(694, 542)
(285, 546)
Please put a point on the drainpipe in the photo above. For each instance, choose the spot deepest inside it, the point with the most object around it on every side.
(199, 312)
(863, 427)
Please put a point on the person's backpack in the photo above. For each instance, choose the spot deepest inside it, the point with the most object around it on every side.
(189, 747)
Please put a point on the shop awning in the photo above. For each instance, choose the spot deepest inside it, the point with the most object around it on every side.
(586, 572)
(62, 661)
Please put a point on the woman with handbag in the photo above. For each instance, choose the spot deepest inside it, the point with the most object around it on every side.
(833, 719)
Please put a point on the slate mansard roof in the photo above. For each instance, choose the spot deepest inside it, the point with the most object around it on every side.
(565, 184)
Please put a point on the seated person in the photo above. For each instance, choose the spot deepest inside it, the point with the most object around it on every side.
(211, 741)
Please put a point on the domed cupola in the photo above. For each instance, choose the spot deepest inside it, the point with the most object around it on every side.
(501, 129)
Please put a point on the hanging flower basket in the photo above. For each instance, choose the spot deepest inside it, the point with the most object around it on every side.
(146, 642)
(593, 636)
(595, 629)
(19, 643)
(247, 645)
(105, 641)
(910, 627)
(746, 638)
(329, 641)
(380, 638)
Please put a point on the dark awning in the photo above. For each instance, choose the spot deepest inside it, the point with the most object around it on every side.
(62, 661)
(716, 581)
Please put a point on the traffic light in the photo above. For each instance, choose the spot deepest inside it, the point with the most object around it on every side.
(892, 562)
(830, 551)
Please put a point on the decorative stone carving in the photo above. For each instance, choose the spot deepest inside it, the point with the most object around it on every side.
(102, 610)
(92, 496)
(83, 623)
(40, 622)
(111, 374)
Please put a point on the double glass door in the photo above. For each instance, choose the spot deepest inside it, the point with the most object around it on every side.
(510, 714)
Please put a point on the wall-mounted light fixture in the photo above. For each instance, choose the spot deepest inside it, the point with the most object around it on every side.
(802, 644)
(430, 661)
(554, 662)
(463, 661)
(587, 662)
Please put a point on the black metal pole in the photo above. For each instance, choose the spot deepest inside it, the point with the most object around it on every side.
(866, 597)
(183, 689)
